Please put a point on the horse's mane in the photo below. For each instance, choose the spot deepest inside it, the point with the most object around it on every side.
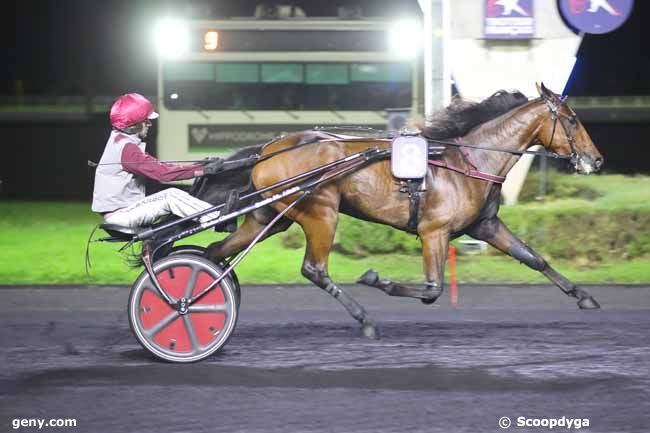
(461, 116)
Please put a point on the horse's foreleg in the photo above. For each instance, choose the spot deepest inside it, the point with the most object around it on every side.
(319, 232)
(495, 232)
(434, 254)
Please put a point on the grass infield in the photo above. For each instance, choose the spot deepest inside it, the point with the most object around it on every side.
(44, 243)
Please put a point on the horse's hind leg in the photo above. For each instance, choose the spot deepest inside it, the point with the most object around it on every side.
(495, 232)
(434, 255)
(319, 226)
(253, 224)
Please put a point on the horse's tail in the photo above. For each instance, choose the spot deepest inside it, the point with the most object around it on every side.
(215, 189)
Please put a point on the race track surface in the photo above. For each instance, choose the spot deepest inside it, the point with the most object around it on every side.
(297, 363)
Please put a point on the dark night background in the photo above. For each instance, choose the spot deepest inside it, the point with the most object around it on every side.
(50, 42)
(84, 47)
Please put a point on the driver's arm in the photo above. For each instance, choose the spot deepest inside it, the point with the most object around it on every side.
(141, 163)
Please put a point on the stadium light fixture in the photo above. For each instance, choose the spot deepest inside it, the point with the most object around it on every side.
(405, 39)
(172, 38)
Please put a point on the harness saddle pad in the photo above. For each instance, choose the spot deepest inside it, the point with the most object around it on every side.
(409, 157)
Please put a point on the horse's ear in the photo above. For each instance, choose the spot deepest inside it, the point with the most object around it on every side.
(546, 93)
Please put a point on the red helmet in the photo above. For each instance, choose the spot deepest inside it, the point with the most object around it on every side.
(131, 109)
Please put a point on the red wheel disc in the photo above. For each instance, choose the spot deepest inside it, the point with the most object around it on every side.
(175, 336)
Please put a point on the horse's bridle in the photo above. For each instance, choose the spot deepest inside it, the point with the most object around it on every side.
(569, 131)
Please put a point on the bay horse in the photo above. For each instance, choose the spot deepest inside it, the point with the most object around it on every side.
(453, 204)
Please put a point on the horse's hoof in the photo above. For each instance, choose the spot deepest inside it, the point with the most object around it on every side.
(431, 296)
(370, 330)
(369, 278)
(588, 303)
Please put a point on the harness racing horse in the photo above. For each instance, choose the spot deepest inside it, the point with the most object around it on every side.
(453, 204)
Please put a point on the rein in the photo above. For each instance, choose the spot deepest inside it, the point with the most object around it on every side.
(556, 115)
(475, 173)
(496, 149)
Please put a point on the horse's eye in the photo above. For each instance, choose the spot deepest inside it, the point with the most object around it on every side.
(573, 121)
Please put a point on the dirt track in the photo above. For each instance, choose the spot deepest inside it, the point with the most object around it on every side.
(296, 362)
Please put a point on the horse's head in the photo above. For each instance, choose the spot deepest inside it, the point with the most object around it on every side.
(563, 133)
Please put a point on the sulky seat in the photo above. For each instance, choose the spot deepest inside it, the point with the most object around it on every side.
(120, 233)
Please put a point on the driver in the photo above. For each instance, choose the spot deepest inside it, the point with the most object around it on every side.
(119, 192)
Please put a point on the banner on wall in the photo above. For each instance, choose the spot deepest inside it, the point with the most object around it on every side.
(596, 16)
(509, 19)
(210, 137)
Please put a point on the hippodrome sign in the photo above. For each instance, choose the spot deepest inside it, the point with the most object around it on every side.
(596, 16)
(509, 19)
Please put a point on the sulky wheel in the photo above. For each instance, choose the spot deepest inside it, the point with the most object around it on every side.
(196, 334)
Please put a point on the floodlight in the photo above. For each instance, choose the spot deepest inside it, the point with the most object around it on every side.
(172, 38)
(405, 39)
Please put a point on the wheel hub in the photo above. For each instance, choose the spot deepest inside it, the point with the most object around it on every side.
(183, 305)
